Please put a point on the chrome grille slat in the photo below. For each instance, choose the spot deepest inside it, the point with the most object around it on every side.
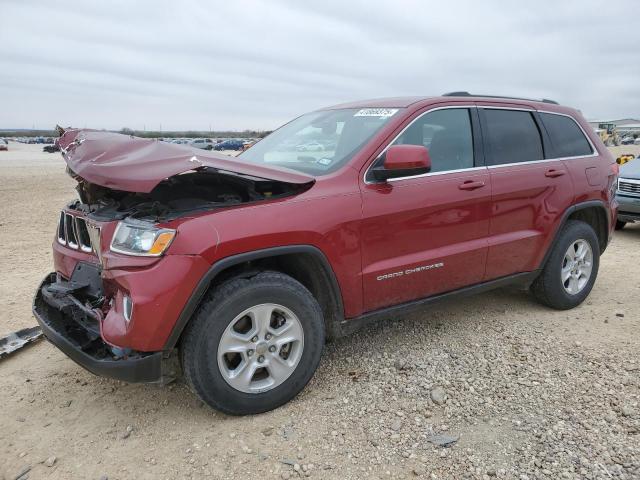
(83, 235)
(70, 231)
(62, 238)
(94, 236)
(629, 187)
(76, 233)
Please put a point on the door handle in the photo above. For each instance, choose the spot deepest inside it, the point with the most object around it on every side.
(553, 173)
(471, 185)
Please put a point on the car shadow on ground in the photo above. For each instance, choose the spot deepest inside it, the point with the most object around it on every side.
(177, 402)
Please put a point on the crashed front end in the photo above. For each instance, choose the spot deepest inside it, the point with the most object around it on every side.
(112, 312)
(128, 253)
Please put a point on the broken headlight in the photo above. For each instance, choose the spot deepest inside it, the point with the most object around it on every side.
(141, 238)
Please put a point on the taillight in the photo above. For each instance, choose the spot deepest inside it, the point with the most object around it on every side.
(615, 169)
(613, 179)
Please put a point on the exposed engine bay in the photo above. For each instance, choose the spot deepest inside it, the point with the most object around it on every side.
(203, 189)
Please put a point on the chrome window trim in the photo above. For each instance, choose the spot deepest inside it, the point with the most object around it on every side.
(529, 162)
(594, 151)
(429, 174)
(433, 174)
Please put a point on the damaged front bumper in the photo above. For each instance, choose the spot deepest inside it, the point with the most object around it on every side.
(74, 328)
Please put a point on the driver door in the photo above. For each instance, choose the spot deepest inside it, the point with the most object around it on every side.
(427, 234)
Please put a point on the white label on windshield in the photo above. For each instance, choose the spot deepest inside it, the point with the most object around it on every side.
(376, 112)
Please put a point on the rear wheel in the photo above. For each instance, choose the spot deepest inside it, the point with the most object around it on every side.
(570, 272)
(254, 344)
(620, 224)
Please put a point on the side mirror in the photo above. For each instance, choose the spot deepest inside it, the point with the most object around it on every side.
(403, 161)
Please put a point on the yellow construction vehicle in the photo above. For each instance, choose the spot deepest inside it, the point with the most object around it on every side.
(608, 134)
(622, 159)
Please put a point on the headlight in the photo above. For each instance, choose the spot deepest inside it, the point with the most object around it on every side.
(140, 238)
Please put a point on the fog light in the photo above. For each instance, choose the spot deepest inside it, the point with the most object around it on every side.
(127, 308)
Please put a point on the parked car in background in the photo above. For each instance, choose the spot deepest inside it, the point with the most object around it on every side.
(241, 267)
(51, 148)
(312, 146)
(627, 141)
(203, 143)
(229, 145)
(247, 144)
(4, 145)
(628, 193)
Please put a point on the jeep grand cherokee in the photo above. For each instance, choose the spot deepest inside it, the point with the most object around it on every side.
(240, 268)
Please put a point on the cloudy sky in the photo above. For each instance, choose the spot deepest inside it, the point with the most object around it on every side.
(245, 64)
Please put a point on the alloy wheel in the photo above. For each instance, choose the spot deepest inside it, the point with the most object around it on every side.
(577, 266)
(260, 348)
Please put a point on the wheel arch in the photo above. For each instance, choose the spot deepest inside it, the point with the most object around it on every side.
(593, 213)
(305, 263)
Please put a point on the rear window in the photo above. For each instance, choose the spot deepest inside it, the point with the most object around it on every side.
(513, 137)
(567, 137)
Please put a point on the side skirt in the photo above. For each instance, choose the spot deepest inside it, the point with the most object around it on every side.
(351, 325)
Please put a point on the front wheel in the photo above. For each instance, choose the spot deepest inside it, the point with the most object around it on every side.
(254, 344)
(571, 269)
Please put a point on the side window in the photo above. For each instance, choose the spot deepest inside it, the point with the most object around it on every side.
(566, 136)
(448, 136)
(513, 137)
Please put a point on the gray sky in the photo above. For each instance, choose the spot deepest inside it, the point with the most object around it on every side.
(249, 64)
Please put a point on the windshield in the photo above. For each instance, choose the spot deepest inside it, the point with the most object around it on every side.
(319, 142)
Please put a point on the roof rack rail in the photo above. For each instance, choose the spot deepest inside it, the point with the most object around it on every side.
(467, 94)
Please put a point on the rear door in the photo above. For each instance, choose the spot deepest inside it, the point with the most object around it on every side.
(427, 234)
(530, 189)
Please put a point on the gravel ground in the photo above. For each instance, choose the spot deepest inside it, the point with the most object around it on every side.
(488, 386)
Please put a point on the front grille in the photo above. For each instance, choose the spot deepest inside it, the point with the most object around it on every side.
(75, 232)
(629, 186)
(94, 235)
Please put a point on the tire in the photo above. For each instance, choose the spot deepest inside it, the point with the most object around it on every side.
(209, 373)
(549, 288)
(620, 225)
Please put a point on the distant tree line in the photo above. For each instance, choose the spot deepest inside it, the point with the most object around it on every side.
(148, 134)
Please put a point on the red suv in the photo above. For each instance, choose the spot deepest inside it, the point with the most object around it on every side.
(239, 269)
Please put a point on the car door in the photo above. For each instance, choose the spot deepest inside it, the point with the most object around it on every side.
(529, 190)
(427, 234)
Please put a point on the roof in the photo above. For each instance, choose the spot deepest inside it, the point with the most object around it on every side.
(404, 102)
(390, 102)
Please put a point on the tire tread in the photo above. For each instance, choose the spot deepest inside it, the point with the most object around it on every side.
(214, 300)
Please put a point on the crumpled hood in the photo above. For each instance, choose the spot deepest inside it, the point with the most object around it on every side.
(132, 164)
